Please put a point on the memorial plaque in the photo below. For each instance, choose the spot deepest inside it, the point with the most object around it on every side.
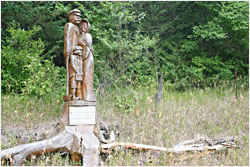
(82, 115)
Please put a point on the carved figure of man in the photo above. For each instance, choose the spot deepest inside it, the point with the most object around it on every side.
(71, 38)
(77, 73)
(85, 40)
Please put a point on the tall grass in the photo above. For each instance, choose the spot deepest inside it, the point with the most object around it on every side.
(212, 112)
(26, 110)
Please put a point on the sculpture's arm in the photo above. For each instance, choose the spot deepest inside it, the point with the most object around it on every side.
(90, 42)
(72, 63)
(70, 39)
(82, 43)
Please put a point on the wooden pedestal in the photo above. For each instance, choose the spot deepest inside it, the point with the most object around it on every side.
(80, 118)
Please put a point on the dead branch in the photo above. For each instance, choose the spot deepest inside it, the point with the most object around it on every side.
(198, 144)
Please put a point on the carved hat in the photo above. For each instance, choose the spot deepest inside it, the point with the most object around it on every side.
(89, 26)
(75, 12)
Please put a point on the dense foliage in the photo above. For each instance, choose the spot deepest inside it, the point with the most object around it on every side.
(23, 68)
(188, 42)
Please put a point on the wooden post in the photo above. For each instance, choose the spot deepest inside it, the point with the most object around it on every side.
(81, 116)
(158, 96)
(236, 92)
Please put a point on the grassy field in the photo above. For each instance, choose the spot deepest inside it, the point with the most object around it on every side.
(211, 112)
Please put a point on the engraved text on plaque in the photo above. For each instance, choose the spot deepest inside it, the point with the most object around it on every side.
(82, 115)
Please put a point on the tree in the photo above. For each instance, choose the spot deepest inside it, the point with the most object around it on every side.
(198, 41)
(50, 16)
(187, 42)
(22, 67)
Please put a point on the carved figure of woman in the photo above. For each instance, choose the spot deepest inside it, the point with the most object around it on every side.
(85, 40)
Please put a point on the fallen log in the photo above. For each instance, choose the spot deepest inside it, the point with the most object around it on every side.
(198, 144)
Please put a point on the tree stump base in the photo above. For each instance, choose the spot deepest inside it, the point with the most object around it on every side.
(80, 141)
(81, 118)
(86, 145)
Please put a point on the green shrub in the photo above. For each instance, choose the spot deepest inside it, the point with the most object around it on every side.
(24, 70)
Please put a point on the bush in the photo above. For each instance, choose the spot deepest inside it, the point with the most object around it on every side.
(24, 70)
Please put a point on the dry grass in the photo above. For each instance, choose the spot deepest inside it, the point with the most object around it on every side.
(180, 116)
(27, 111)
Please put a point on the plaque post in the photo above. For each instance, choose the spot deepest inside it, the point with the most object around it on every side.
(81, 116)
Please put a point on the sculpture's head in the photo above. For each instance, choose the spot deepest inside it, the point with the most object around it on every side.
(85, 25)
(74, 16)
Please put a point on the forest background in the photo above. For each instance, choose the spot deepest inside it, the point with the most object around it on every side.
(195, 46)
(192, 44)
